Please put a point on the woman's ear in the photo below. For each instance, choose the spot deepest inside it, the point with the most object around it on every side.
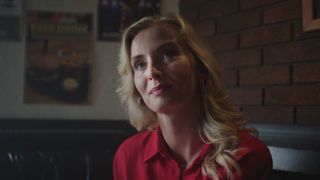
(202, 76)
(202, 72)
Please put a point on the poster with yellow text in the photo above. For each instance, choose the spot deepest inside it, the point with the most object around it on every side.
(59, 49)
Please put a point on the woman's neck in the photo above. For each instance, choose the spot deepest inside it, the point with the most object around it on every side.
(181, 133)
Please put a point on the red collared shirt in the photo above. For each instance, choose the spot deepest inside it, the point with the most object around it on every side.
(145, 156)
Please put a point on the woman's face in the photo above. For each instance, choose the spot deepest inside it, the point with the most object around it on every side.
(164, 72)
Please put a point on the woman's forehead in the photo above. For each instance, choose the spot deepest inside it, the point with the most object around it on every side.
(153, 38)
(158, 31)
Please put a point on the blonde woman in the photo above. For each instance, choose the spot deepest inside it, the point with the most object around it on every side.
(172, 90)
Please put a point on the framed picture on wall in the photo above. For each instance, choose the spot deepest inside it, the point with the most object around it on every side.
(115, 15)
(10, 20)
(311, 15)
(59, 54)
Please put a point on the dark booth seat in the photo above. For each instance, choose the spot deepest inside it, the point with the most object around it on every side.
(84, 149)
(59, 149)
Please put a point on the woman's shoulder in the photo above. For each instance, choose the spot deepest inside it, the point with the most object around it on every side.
(128, 159)
(253, 154)
(251, 142)
(134, 144)
(251, 148)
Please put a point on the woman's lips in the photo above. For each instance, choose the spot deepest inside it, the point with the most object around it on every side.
(159, 89)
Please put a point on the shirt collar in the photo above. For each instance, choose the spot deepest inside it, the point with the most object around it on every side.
(157, 146)
(206, 148)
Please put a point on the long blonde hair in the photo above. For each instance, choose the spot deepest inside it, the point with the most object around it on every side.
(220, 121)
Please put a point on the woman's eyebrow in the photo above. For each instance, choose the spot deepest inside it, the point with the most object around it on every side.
(136, 58)
(168, 44)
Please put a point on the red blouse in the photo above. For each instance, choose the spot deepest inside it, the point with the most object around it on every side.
(145, 156)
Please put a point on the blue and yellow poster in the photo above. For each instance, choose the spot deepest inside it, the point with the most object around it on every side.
(115, 15)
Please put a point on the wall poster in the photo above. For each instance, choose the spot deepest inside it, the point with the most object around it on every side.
(10, 20)
(115, 15)
(59, 49)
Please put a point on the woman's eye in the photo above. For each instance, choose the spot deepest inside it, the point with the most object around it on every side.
(168, 54)
(139, 65)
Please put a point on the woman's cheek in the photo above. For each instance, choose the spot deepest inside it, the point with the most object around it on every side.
(138, 82)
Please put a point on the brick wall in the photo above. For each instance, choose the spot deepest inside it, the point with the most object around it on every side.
(271, 67)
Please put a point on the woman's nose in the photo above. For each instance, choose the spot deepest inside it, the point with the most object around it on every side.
(153, 72)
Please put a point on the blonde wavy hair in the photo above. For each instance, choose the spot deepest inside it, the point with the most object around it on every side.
(220, 121)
